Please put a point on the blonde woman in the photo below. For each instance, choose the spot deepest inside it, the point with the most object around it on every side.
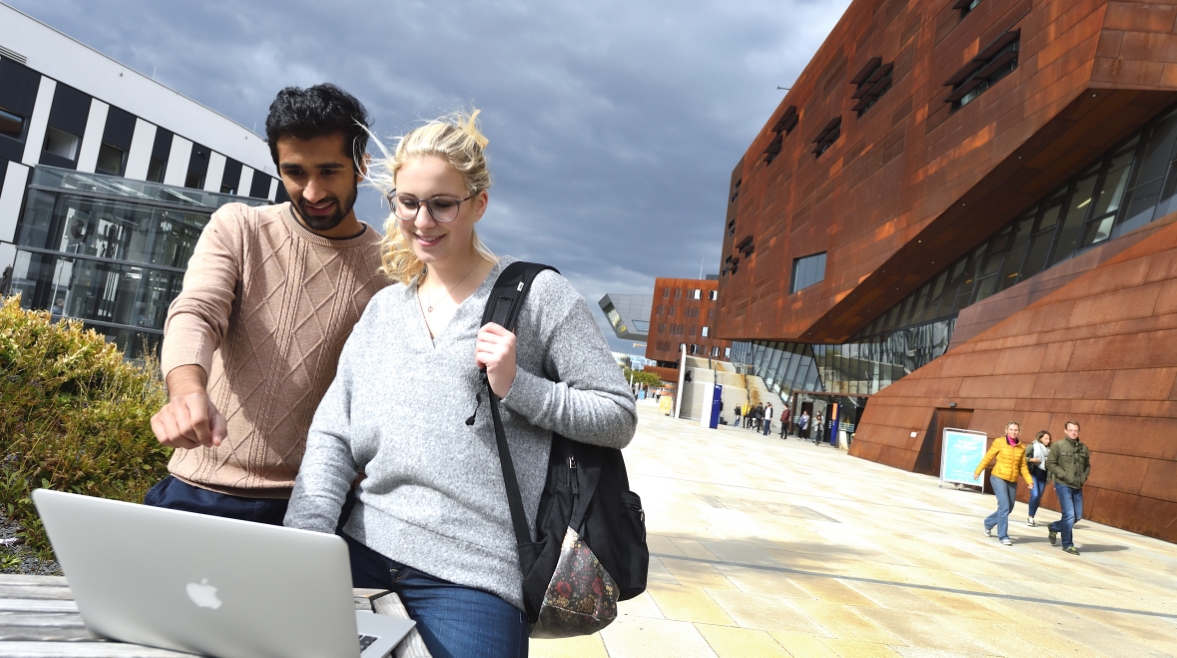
(431, 520)
(1010, 457)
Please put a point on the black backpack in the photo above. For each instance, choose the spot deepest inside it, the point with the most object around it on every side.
(587, 487)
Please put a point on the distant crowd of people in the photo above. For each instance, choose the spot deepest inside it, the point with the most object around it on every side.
(759, 417)
(1066, 463)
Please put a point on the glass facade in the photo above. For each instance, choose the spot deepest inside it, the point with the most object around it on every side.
(109, 251)
(1126, 188)
(851, 369)
(1129, 186)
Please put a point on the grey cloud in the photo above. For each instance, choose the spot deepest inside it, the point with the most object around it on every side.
(614, 125)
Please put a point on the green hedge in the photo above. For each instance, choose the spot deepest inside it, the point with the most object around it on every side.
(73, 417)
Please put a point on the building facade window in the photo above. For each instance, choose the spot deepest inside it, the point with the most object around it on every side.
(660, 309)
(112, 250)
(828, 135)
(697, 294)
(706, 332)
(808, 271)
(994, 62)
(965, 6)
(1128, 187)
(12, 125)
(111, 160)
(713, 295)
(62, 144)
(872, 81)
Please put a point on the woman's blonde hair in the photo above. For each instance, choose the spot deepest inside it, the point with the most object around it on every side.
(455, 138)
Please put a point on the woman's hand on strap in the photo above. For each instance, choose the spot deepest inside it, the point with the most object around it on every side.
(495, 351)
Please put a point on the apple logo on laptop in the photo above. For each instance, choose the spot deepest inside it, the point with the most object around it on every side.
(203, 594)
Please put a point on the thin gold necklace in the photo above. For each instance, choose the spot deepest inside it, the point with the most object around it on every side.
(446, 291)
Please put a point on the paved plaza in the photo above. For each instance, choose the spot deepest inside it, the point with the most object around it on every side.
(764, 547)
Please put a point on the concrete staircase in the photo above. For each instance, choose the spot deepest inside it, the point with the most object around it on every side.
(758, 393)
(704, 374)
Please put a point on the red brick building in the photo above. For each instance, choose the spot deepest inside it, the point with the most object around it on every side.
(963, 208)
(684, 313)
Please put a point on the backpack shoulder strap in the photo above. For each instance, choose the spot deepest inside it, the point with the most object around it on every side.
(502, 307)
(510, 289)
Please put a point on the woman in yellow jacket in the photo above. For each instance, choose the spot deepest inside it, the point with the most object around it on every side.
(1010, 456)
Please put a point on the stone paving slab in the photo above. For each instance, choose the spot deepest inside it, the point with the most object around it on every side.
(770, 547)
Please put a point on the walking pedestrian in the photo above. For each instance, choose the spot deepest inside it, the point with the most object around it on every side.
(786, 416)
(739, 409)
(1010, 457)
(803, 424)
(767, 418)
(1036, 459)
(757, 417)
(818, 429)
(1069, 464)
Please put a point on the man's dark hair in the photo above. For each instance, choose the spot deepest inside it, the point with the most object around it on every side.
(316, 112)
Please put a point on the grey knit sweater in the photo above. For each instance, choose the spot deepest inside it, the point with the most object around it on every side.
(433, 498)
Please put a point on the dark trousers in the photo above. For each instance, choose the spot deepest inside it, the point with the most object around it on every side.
(173, 493)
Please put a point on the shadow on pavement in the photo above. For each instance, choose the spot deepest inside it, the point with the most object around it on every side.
(1100, 548)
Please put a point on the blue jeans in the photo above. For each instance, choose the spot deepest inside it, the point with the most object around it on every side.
(1040, 478)
(1070, 501)
(173, 493)
(1006, 491)
(455, 621)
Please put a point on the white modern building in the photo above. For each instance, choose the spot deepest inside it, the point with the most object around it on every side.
(106, 180)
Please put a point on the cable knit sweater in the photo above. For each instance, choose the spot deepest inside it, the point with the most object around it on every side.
(266, 307)
(433, 498)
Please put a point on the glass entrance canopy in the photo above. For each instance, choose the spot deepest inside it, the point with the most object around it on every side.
(109, 251)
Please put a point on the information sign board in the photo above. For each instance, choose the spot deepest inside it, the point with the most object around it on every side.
(960, 452)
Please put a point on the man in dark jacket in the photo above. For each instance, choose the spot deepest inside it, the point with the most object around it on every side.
(1068, 462)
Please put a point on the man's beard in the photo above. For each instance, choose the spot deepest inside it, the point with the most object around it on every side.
(321, 223)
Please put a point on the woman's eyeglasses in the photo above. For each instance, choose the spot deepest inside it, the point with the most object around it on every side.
(441, 208)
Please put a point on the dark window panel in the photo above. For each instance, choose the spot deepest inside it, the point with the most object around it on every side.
(161, 150)
(111, 160)
(281, 196)
(120, 129)
(231, 178)
(18, 87)
(260, 188)
(70, 110)
(197, 167)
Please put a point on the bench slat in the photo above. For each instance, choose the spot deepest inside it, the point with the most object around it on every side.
(35, 592)
(84, 650)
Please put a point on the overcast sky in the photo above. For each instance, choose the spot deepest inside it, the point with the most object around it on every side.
(614, 125)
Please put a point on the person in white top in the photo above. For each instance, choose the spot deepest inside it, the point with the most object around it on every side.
(1036, 460)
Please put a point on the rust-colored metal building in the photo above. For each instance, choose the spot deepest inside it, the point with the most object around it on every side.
(962, 209)
(683, 314)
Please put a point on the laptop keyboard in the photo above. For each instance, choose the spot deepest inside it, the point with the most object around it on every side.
(366, 641)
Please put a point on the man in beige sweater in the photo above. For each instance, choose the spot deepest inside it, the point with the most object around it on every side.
(271, 294)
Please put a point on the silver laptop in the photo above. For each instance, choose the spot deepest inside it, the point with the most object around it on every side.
(204, 584)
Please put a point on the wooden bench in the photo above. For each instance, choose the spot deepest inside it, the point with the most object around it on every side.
(39, 619)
